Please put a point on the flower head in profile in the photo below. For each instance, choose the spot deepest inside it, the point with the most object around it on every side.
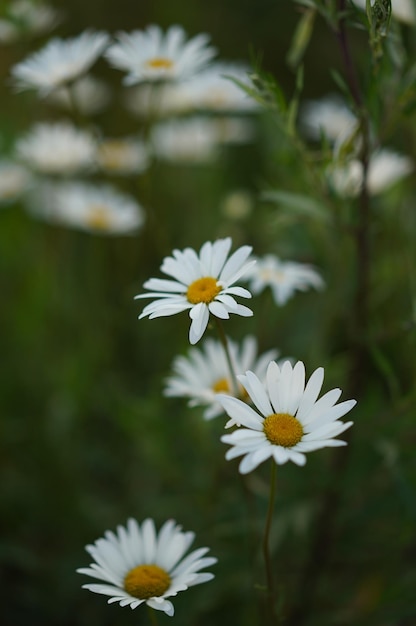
(152, 55)
(98, 209)
(25, 18)
(202, 284)
(14, 181)
(58, 148)
(288, 419)
(60, 62)
(283, 277)
(204, 373)
(138, 565)
(192, 140)
(330, 117)
(88, 95)
(402, 10)
(385, 169)
(124, 156)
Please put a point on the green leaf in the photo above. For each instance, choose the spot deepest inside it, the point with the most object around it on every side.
(301, 38)
(298, 203)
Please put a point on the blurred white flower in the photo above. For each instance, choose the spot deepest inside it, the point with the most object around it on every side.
(232, 130)
(204, 373)
(203, 285)
(289, 420)
(237, 205)
(210, 90)
(330, 117)
(90, 95)
(402, 10)
(58, 148)
(23, 18)
(283, 277)
(385, 168)
(185, 141)
(60, 62)
(155, 100)
(138, 565)
(152, 55)
(99, 209)
(14, 181)
(124, 156)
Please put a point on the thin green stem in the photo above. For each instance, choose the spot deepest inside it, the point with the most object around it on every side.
(266, 544)
(152, 616)
(225, 345)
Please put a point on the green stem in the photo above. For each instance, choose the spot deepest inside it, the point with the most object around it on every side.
(266, 544)
(225, 345)
(152, 616)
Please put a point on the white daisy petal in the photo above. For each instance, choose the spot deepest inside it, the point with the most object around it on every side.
(241, 412)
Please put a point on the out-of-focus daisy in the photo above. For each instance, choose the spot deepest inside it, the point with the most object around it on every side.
(204, 373)
(14, 181)
(152, 55)
(385, 169)
(58, 148)
(402, 10)
(88, 94)
(283, 277)
(23, 18)
(99, 209)
(212, 90)
(138, 565)
(60, 62)
(192, 140)
(156, 100)
(232, 130)
(123, 156)
(237, 205)
(203, 285)
(329, 117)
(289, 419)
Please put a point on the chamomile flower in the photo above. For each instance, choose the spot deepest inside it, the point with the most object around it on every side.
(58, 148)
(288, 420)
(138, 566)
(190, 141)
(204, 373)
(283, 277)
(60, 62)
(23, 18)
(385, 168)
(330, 117)
(88, 94)
(152, 55)
(14, 180)
(123, 156)
(98, 209)
(203, 285)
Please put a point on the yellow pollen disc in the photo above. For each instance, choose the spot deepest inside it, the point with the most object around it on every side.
(98, 217)
(221, 386)
(283, 429)
(146, 581)
(160, 63)
(203, 290)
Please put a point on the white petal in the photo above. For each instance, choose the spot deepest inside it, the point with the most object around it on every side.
(240, 412)
(257, 392)
(312, 390)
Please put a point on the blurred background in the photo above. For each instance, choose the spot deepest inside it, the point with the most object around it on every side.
(87, 438)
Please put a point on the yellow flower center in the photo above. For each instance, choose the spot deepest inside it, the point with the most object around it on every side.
(160, 63)
(221, 386)
(283, 429)
(203, 290)
(98, 217)
(146, 581)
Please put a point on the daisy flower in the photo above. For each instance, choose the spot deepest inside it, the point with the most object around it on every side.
(58, 148)
(98, 209)
(202, 285)
(14, 180)
(152, 55)
(283, 277)
(26, 18)
(192, 140)
(289, 419)
(138, 565)
(330, 117)
(204, 373)
(385, 169)
(90, 95)
(123, 156)
(60, 62)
